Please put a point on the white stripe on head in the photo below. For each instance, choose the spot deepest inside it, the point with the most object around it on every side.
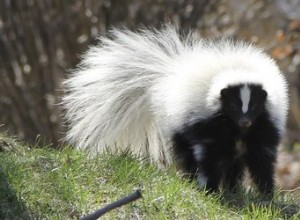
(245, 97)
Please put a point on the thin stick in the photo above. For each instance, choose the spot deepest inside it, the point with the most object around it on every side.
(130, 198)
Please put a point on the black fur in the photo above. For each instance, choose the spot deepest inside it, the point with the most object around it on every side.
(222, 160)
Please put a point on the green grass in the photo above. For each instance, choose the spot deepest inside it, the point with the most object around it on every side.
(66, 184)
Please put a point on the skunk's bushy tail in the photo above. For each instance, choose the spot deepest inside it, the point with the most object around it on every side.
(108, 97)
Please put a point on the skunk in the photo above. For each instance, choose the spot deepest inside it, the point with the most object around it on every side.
(214, 107)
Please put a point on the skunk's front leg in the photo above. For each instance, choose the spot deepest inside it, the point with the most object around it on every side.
(261, 168)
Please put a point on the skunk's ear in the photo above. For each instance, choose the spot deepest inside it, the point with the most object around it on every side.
(264, 94)
(224, 92)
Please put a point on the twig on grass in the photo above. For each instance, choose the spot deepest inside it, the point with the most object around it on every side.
(130, 198)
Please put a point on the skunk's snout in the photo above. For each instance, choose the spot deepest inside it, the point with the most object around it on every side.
(245, 123)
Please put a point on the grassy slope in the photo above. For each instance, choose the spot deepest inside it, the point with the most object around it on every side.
(50, 184)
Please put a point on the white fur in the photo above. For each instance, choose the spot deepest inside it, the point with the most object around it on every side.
(202, 180)
(245, 97)
(198, 152)
(134, 90)
(240, 148)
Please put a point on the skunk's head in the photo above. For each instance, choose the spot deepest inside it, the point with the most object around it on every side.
(243, 103)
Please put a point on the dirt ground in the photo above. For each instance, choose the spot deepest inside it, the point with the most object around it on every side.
(288, 170)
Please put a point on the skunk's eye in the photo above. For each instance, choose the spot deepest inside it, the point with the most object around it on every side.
(254, 107)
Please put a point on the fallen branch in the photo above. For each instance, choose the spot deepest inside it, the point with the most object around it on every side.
(130, 198)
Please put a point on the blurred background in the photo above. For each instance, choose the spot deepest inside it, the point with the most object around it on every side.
(40, 40)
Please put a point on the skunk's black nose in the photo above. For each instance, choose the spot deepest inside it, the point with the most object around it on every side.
(245, 123)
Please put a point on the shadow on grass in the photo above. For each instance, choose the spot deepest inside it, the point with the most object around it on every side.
(11, 206)
(250, 201)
